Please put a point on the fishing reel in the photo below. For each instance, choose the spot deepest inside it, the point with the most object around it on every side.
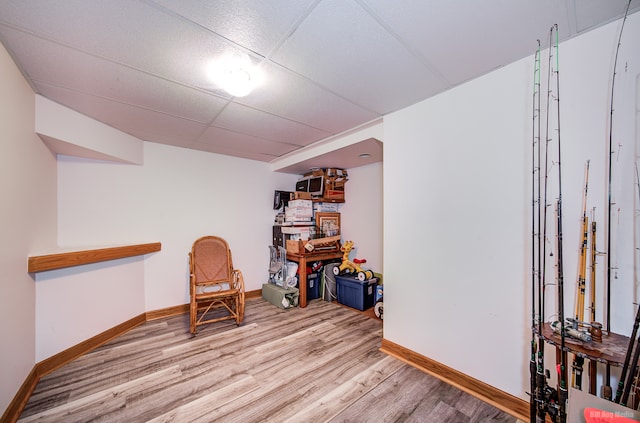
(549, 402)
(571, 329)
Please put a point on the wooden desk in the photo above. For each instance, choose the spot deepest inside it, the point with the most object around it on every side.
(302, 260)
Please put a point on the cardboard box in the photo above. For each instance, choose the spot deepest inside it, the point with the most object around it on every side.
(315, 172)
(325, 207)
(301, 195)
(329, 243)
(303, 203)
(334, 194)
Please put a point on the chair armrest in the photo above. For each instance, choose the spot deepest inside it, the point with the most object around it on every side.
(238, 279)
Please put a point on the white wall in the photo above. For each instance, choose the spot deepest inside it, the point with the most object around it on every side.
(361, 214)
(27, 223)
(176, 196)
(457, 176)
(76, 303)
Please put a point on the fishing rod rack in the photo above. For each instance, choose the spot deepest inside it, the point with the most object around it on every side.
(611, 349)
(571, 334)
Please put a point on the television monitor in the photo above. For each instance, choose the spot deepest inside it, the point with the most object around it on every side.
(302, 185)
(311, 184)
(316, 186)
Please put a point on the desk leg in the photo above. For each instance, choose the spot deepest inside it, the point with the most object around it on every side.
(302, 283)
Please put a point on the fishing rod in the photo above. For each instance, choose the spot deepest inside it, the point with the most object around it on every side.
(632, 341)
(562, 377)
(578, 361)
(543, 393)
(627, 360)
(607, 389)
(633, 365)
(592, 279)
(582, 263)
(593, 366)
(536, 390)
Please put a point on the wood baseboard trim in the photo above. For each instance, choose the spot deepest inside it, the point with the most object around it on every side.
(257, 293)
(167, 312)
(43, 368)
(58, 360)
(508, 403)
(18, 403)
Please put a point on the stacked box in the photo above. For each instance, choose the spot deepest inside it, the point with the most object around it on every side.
(301, 203)
(297, 232)
(355, 293)
(334, 182)
(325, 207)
(299, 211)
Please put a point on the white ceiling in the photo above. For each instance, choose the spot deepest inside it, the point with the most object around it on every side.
(329, 65)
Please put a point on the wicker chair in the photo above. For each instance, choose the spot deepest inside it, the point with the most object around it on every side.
(216, 288)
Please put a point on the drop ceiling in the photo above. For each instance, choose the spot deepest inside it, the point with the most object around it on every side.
(329, 65)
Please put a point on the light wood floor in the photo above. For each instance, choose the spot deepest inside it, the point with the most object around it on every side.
(318, 364)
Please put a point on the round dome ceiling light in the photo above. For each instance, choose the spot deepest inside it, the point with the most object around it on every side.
(235, 74)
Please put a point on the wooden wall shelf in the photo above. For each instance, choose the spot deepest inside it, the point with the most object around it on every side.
(76, 258)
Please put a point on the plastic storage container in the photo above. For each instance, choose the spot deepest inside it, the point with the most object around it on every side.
(313, 286)
(355, 293)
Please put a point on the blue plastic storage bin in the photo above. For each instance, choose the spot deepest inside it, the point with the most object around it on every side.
(355, 293)
(313, 286)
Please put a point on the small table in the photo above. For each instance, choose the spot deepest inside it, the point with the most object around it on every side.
(302, 260)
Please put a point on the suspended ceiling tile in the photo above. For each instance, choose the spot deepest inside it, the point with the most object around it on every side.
(268, 126)
(94, 76)
(342, 48)
(219, 139)
(128, 32)
(229, 150)
(590, 13)
(465, 39)
(257, 25)
(142, 123)
(293, 97)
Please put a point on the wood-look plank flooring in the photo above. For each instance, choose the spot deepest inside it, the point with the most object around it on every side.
(317, 364)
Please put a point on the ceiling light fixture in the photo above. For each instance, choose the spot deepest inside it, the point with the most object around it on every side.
(236, 75)
(364, 155)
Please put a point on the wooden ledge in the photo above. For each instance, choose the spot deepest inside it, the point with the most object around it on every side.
(77, 258)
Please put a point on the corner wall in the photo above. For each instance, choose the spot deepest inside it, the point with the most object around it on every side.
(174, 197)
(27, 223)
(361, 216)
(457, 210)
